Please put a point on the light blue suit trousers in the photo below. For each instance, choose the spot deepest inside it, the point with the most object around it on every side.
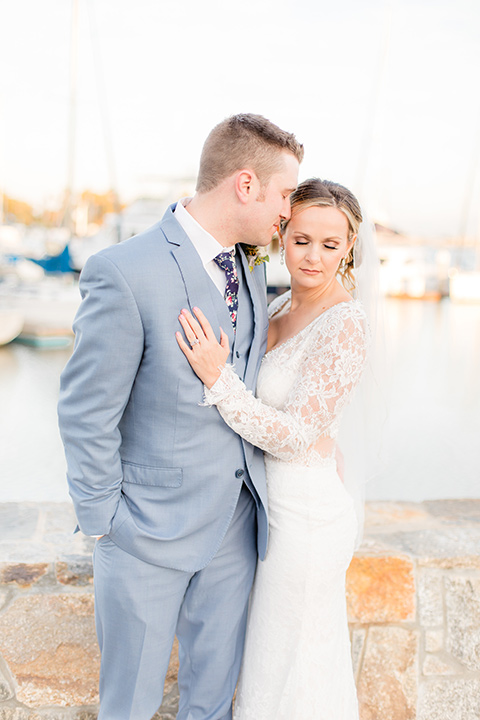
(207, 610)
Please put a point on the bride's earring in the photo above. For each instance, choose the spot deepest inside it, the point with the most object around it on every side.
(346, 259)
(282, 255)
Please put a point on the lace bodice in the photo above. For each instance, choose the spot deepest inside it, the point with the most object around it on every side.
(303, 386)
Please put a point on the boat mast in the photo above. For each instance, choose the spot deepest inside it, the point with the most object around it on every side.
(72, 121)
(2, 179)
(469, 195)
(104, 114)
(372, 115)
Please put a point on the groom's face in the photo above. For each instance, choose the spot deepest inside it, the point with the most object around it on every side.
(272, 202)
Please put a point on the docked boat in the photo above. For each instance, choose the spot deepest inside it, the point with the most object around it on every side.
(465, 286)
(11, 325)
(44, 336)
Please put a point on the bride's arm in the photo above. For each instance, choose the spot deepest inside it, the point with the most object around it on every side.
(332, 368)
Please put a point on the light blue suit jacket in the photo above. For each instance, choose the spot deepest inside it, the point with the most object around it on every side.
(147, 463)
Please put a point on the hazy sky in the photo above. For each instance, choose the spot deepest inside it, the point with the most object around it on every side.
(384, 95)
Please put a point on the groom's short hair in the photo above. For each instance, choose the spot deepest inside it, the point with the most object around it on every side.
(244, 141)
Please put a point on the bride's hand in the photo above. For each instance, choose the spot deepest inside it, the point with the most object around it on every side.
(205, 354)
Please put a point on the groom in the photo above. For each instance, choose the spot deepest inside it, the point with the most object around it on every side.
(177, 498)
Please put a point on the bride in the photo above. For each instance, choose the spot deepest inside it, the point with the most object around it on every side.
(297, 660)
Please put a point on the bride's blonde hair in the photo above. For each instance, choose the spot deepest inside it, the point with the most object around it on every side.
(318, 193)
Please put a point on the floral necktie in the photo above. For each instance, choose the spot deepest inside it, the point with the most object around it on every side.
(226, 261)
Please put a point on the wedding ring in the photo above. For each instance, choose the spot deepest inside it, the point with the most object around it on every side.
(194, 342)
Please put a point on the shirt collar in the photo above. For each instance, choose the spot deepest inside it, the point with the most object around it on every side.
(204, 243)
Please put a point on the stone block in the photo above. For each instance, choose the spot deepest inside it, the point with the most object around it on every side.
(169, 708)
(3, 596)
(372, 545)
(18, 521)
(84, 713)
(76, 570)
(59, 518)
(6, 692)
(358, 643)
(450, 699)
(386, 514)
(172, 672)
(434, 640)
(462, 599)
(430, 598)
(50, 714)
(459, 562)
(454, 511)
(59, 530)
(380, 589)
(50, 647)
(25, 552)
(387, 687)
(445, 542)
(14, 713)
(23, 574)
(435, 665)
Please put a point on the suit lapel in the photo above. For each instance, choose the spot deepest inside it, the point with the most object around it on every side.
(199, 287)
(256, 289)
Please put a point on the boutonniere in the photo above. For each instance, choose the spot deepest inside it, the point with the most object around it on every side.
(255, 255)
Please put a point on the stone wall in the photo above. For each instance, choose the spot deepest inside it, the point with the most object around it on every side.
(413, 594)
(414, 604)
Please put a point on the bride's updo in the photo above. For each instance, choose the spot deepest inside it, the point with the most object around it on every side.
(315, 192)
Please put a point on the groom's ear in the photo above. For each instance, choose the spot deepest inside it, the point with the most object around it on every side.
(245, 185)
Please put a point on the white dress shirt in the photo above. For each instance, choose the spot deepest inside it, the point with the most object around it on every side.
(204, 243)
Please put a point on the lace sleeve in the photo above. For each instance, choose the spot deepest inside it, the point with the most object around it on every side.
(333, 363)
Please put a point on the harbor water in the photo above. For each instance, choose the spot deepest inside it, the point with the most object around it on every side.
(431, 442)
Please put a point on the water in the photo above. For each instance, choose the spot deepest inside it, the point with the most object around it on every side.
(32, 465)
(432, 438)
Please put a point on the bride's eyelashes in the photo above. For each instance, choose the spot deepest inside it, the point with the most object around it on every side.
(305, 242)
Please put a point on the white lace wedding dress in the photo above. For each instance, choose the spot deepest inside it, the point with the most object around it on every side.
(297, 663)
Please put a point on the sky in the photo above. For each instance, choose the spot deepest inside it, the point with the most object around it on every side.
(382, 93)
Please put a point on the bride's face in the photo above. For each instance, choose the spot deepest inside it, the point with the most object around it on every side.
(316, 240)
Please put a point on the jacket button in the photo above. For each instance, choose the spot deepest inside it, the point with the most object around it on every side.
(239, 473)
(237, 354)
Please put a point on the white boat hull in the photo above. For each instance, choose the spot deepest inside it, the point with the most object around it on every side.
(11, 325)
